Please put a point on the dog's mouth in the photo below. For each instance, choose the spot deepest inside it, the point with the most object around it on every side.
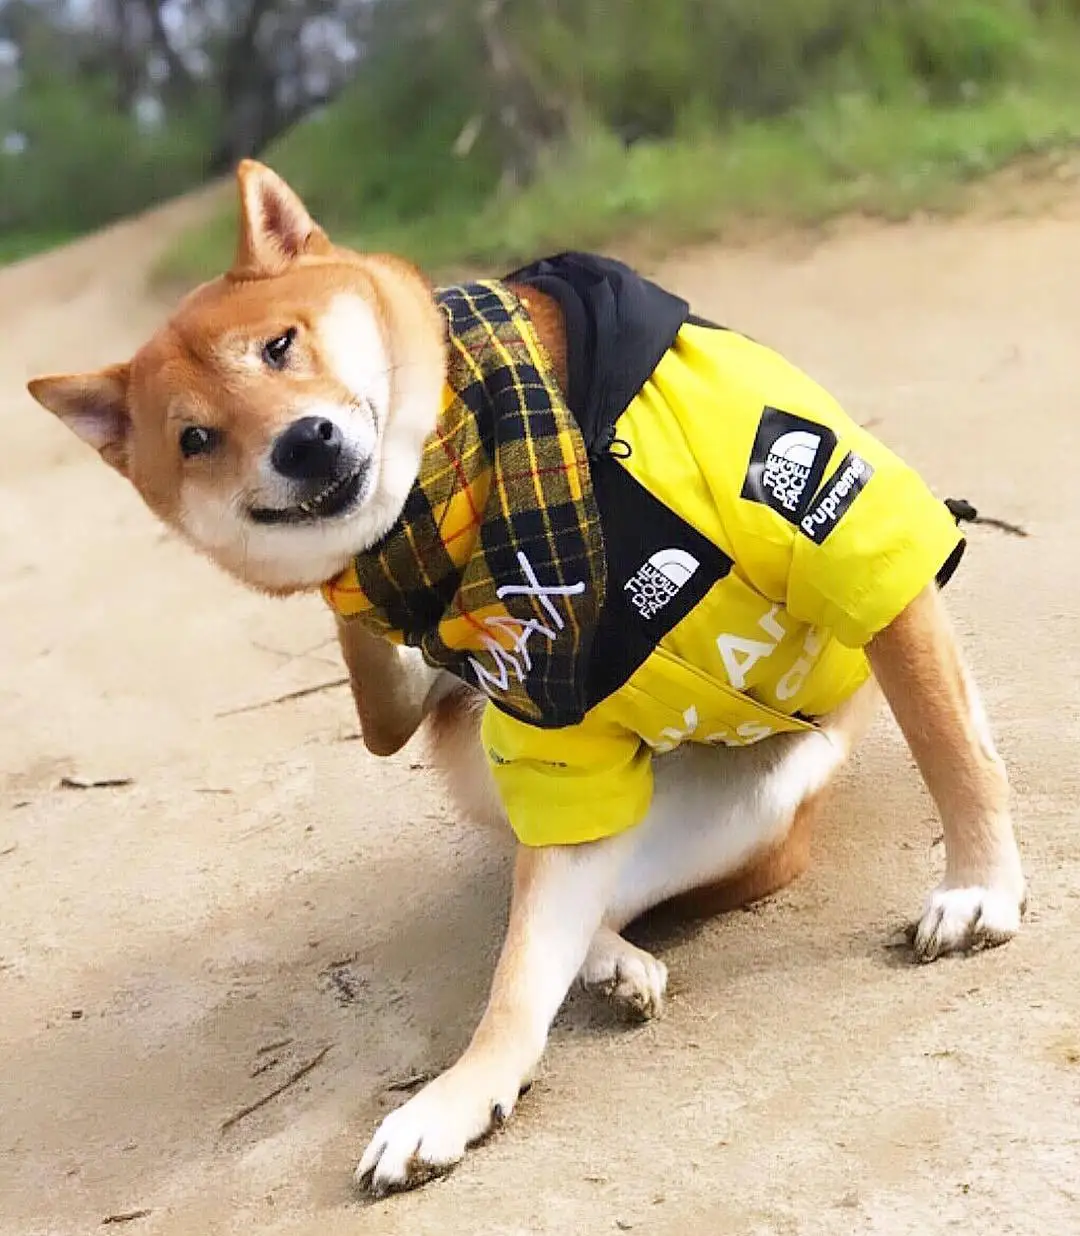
(337, 498)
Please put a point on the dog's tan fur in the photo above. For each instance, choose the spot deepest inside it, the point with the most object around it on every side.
(726, 825)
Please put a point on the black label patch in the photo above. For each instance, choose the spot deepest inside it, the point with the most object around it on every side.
(658, 569)
(837, 495)
(659, 580)
(787, 462)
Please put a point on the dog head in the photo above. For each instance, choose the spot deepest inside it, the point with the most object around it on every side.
(277, 419)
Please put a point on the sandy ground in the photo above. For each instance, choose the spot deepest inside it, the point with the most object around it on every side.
(174, 949)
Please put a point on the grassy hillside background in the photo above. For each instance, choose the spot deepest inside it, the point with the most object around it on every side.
(664, 120)
(684, 115)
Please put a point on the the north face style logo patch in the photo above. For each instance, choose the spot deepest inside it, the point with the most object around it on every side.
(787, 463)
(659, 580)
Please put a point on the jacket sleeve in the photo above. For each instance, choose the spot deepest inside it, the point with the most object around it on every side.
(567, 786)
(823, 518)
(870, 540)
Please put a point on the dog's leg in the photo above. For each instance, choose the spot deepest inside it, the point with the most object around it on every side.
(393, 688)
(625, 974)
(918, 664)
(718, 816)
(719, 813)
(727, 826)
(559, 897)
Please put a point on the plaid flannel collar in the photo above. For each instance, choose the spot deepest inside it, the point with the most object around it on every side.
(495, 568)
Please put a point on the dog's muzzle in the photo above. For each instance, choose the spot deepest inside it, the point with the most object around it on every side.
(325, 477)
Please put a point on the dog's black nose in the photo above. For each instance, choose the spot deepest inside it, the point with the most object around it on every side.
(309, 450)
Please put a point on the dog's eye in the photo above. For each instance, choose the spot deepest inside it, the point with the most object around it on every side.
(198, 440)
(276, 352)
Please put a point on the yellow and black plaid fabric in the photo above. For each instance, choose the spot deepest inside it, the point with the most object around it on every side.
(495, 568)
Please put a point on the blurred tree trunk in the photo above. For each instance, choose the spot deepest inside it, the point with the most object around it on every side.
(126, 55)
(181, 85)
(248, 93)
(261, 79)
(529, 118)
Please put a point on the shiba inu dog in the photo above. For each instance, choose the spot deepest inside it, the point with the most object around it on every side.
(638, 577)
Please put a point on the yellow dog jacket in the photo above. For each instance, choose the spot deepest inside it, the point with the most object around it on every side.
(754, 539)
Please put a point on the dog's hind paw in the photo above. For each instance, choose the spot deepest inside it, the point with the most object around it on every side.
(959, 920)
(626, 974)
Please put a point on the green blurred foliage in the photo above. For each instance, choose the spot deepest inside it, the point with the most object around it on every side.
(387, 145)
(416, 152)
(644, 70)
(640, 63)
(647, 83)
(85, 164)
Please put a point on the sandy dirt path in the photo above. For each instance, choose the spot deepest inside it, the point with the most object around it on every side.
(173, 949)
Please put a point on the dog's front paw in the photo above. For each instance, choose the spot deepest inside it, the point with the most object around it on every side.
(431, 1132)
(958, 920)
(626, 974)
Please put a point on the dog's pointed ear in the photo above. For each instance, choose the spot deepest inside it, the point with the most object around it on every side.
(94, 406)
(275, 226)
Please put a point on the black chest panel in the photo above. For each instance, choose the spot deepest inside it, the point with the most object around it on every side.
(659, 568)
(618, 328)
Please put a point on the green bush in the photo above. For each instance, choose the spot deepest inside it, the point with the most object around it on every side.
(638, 63)
(949, 49)
(85, 164)
(649, 70)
